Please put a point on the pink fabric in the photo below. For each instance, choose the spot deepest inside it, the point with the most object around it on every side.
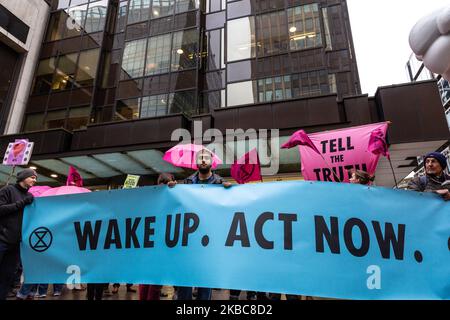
(74, 178)
(247, 168)
(300, 138)
(64, 190)
(183, 155)
(38, 190)
(377, 143)
(343, 150)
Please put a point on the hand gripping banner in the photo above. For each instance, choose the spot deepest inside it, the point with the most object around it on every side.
(307, 238)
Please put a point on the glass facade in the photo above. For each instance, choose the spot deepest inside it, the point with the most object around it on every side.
(117, 60)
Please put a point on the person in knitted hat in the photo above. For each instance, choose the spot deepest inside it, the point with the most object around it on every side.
(23, 176)
(13, 199)
(435, 178)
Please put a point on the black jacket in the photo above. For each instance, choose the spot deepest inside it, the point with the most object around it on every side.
(11, 213)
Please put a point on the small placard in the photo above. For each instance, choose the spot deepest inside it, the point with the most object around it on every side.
(131, 182)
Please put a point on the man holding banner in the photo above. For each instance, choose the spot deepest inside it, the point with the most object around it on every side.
(204, 175)
(13, 199)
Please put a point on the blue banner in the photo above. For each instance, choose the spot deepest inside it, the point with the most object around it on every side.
(317, 239)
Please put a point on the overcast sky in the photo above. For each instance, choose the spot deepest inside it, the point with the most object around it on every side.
(380, 33)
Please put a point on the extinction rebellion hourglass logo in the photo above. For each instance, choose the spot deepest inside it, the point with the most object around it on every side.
(40, 239)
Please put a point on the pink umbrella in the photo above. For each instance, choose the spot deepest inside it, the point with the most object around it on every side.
(64, 190)
(38, 190)
(183, 155)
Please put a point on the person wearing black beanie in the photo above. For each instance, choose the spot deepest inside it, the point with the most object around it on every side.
(13, 199)
(27, 173)
(435, 163)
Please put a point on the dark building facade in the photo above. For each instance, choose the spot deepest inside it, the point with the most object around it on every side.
(114, 60)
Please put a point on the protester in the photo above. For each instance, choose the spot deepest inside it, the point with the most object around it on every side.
(204, 175)
(251, 295)
(361, 177)
(116, 287)
(13, 199)
(435, 163)
(95, 291)
(27, 291)
(290, 297)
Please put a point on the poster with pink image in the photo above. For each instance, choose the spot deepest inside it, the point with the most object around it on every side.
(18, 153)
(342, 150)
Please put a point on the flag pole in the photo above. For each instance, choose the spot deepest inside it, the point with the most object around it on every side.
(393, 173)
(329, 167)
(390, 162)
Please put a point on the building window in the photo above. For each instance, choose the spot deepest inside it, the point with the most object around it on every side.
(332, 82)
(34, 122)
(55, 119)
(444, 92)
(75, 21)
(65, 72)
(154, 106)
(214, 49)
(78, 118)
(326, 25)
(96, 16)
(133, 59)
(281, 88)
(165, 53)
(184, 50)
(241, 39)
(44, 76)
(121, 17)
(313, 83)
(241, 93)
(304, 27)
(56, 26)
(158, 55)
(87, 67)
(213, 100)
(274, 89)
(138, 11)
(182, 102)
(127, 109)
(272, 33)
(162, 8)
(239, 9)
(186, 5)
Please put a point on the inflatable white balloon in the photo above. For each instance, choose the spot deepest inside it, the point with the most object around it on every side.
(430, 41)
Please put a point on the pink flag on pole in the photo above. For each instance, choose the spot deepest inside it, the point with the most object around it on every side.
(74, 178)
(343, 150)
(378, 144)
(247, 168)
(300, 138)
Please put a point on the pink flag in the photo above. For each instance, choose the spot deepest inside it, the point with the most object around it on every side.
(247, 168)
(300, 138)
(74, 178)
(377, 143)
